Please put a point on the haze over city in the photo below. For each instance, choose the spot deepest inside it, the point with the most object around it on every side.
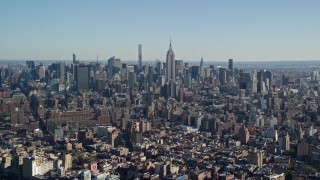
(217, 30)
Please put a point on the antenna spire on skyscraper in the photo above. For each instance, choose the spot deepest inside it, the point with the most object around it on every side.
(170, 65)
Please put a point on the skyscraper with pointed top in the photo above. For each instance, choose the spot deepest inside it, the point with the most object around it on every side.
(171, 65)
(201, 69)
(97, 58)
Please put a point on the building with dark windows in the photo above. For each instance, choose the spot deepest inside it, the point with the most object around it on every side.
(244, 81)
(62, 72)
(30, 64)
(231, 65)
(265, 81)
(74, 58)
(223, 76)
(195, 72)
(82, 77)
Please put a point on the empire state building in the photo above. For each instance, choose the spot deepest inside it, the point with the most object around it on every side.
(171, 65)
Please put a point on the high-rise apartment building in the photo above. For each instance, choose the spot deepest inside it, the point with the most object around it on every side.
(170, 65)
(33, 166)
(265, 81)
(179, 67)
(114, 138)
(195, 72)
(284, 142)
(67, 161)
(188, 81)
(244, 135)
(116, 66)
(42, 71)
(223, 76)
(315, 76)
(17, 116)
(256, 158)
(245, 79)
(110, 65)
(254, 82)
(302, 148)
(131, 76)
(62, 71)
(17, 163)
(159, 67)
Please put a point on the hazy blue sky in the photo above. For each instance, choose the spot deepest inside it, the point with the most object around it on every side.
(218, 30)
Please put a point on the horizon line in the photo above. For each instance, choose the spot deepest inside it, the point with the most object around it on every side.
(128, 60)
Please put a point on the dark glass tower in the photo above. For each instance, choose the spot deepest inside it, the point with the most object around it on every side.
(231, 65)
(74, 59)
(82, 77)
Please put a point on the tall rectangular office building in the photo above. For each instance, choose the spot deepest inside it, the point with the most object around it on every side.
(140, 57)
(82, 77)
(62, 71)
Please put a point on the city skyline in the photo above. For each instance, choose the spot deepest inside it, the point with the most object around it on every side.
(244, 31)
(159, 90)
(101, 92)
